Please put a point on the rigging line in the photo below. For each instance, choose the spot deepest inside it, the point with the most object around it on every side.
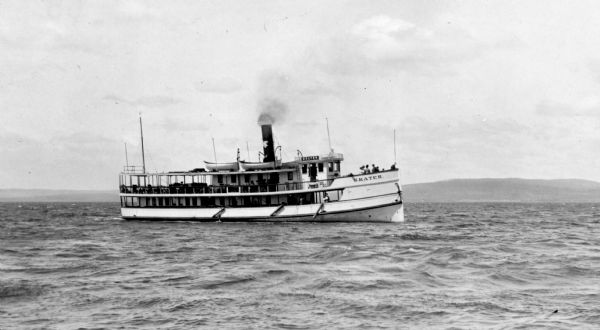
(214, 149)
(126, 157)
(395, 161)
(281, 150)
(142, 139)
(248, 150)
(328, 136)
(400, 176)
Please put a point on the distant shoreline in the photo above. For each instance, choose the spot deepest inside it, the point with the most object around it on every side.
(449, 191)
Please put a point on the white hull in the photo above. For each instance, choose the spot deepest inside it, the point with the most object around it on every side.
(369, 198)
(378, 209)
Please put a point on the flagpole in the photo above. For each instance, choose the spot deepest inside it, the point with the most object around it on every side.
(142, 138)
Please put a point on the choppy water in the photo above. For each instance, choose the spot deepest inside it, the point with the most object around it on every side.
(70, 266)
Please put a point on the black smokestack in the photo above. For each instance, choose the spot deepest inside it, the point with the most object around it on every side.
(268, 148)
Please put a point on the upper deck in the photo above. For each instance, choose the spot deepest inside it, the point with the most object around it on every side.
(303, 173)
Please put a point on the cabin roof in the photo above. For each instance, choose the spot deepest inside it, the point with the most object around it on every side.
(330, 157)
(174, 173)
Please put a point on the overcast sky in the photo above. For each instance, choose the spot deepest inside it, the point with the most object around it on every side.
(473, 88)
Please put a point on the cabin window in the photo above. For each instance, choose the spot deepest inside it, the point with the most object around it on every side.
(247, 178)
(304, 168)
(320, 167)
(290, 176)
(330, 167)
(233, 179)
(336, 166)
(219, 179)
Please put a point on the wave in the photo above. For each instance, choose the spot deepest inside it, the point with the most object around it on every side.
(486, 306)
(145, 303)
(178, 279)
(506, 278)
(21, 289)
(188, 305)
(282, 325)
(276, 272)
(64, 269)
(433, 236)
(218, 284)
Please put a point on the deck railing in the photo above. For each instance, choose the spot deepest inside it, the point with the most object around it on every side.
(199, 188)
(133, 169)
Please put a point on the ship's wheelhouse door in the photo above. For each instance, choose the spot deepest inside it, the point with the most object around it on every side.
(312, 172)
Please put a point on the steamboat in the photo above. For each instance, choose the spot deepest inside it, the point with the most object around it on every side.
(308, 188)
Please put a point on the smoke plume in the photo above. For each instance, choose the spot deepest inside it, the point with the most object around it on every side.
(274, 92)
(271, 111)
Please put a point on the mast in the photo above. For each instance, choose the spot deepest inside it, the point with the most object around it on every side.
(328, 137)
(214, 150)
(126, 157)
(248, 150)
(142, 138)
(395, 147)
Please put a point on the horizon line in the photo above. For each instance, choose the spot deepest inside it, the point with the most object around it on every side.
(404, 184)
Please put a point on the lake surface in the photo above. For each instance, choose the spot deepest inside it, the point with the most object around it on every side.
(450, 266)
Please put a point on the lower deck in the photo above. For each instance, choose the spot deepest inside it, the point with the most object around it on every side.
(150, 201)
(385, 208)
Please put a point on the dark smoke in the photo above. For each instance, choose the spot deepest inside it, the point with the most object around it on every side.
(271, 110)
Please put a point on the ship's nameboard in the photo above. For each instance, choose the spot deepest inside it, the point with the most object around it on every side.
(310, 158)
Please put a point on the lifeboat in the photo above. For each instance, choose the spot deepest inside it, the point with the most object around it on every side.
(211, 167)
(253, 166)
